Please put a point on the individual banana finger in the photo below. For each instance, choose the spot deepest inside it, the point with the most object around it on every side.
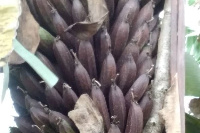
(117, 105)
(78, 12)
(87, 58)
(135, 118)
(100, 101)
(108, 72)
(82, 78)
(127, 74)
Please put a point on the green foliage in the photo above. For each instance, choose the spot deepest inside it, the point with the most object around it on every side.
(192, 124)
(191, 2)
(192, 79)
(45, 36)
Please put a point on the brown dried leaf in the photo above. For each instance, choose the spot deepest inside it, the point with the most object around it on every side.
(10, 12)
(194, 106)
(171, 110)
(27, 33)
(97, 13)
(86, 116)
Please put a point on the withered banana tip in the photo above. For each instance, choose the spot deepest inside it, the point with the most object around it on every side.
(74, 56)
(42, 105)
(114, 80)
(51, 6)
(133, 97)
(47, 110)
(114, 120)
(66, 86)
(151, 69)
(36, 126)
(95, 82)
(42, 82)
(19, 88)
(57, 39)
(42, 128)
(59, 120)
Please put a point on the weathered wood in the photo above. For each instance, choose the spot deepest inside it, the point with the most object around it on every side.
(181, 61)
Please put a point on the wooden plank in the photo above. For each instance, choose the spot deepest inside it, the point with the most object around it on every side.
(174, 30)
(181, 60)
(177, 61)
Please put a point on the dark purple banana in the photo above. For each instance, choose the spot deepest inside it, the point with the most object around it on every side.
(145, 66)
(44, 11)
(114, 129)
(18, 96)
(132, 49)
(127, 74)
(82, 78)
(69, 97)
(138, 89)
(108, 72)
(78, 12)
(64, 127)
(64, 8)
(145, 15)
(32, 85)
(100, 101)
(144, 55)
(117, 105)
(54, 100)
(47, 62)
(25, 124)
(146, 104)
(121, 28)
(142, 36)
(87, 58)
(153, 23)
(135, 118)
(60, 27)
(39, 117)
(65, 60)
(54, 116)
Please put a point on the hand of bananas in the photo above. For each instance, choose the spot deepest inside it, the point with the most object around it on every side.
(114, 67)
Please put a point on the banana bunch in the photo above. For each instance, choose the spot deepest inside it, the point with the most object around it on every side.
(114, 67)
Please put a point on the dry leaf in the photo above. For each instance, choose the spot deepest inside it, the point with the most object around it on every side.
(194, 106)
(171, 110)
(27, 33)
(98, 12)
(86, 116)
(10, 11)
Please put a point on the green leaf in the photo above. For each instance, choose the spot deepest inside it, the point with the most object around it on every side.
(190, 41)
(192, 124)
(5, 81)
(191, 2)
(45, 36)
(188, 30)
(46, 44)
(49, 77)
(196, 49)
(192, 79)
